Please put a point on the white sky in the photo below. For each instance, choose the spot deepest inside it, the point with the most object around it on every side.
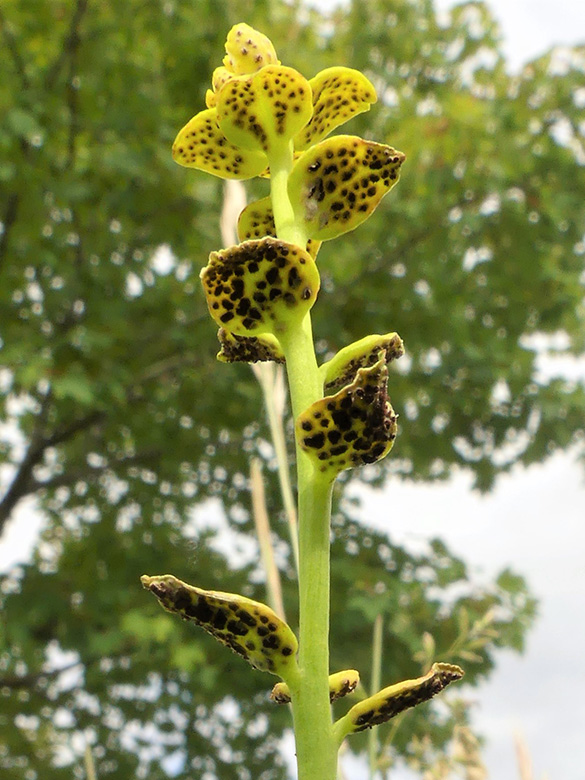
(533, 520)
(530, 27)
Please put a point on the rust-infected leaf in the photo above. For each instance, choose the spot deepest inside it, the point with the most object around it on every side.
(338, 95)
(257, 220)
(338, 183)
(258, 287)
(352, 428)
(247, 627)
(202, 145)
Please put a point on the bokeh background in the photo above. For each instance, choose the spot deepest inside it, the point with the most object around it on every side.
(118, 460)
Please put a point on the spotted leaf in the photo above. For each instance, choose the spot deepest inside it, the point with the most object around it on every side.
(342, 369)
(247, 627)
(248, 50)
(340, 684)
(201, 144)
(248, 349)
(396, 698)
(257, 220)
(338, 183)
(259, 287)
(354, 427)
(263, 112)
(338, 95)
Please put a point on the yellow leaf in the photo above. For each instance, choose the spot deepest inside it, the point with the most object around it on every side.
(354, 427)
(259, 287)
(247, 627)
(202, 145)
(337, 184)
(338, 95)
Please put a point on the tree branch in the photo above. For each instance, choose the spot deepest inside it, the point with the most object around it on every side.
(28, 680)
(167, 365)
(10, 214)
(92, 472)
(70, 44)
(69, 431)
(24, 483)
(11, 46)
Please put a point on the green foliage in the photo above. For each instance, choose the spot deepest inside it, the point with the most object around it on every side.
(109, 357)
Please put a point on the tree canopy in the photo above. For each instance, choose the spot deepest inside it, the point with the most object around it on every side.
(126, 431)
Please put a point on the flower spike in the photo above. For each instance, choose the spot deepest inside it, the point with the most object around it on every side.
(247, 627)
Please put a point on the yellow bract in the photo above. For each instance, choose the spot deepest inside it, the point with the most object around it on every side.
(248, 50)
(248, 349)
(247, 627)
(264, 111)
(338, 95)
(220, 77)
(393, 700)
(340, 684)
(343, 367)
(259, 287)
(201, 144)
(352, 428)
(337, 184)
(257, 220)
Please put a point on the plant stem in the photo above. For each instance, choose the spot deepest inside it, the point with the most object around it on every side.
(316, 748)
(315, 744)
(90, 772)
(273, 586)
(271, 381)
(287, 228)
(373, 743)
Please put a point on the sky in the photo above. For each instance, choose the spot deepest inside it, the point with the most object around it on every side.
(530, 27)
(532, 521)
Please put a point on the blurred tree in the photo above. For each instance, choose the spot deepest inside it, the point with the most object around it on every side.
(108, 360)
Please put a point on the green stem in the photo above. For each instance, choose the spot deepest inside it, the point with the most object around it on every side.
(287, 228)
(316, 747)
(315, 744)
